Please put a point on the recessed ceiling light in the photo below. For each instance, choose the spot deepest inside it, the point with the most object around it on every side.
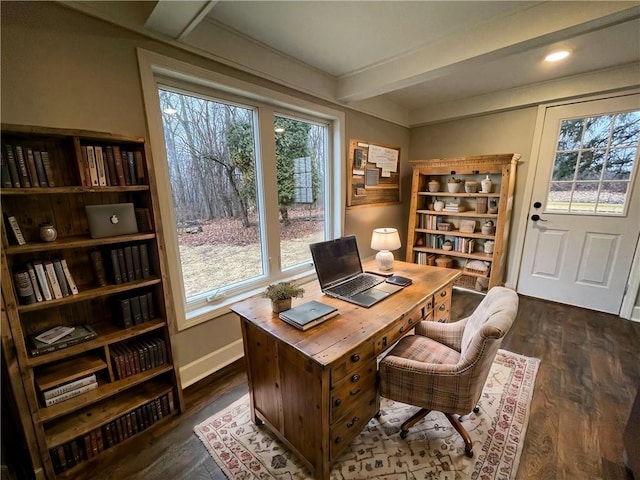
(557, 56)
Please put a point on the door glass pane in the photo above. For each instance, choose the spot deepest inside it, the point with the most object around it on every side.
(211, 153)
(594, 162)
(301, 156)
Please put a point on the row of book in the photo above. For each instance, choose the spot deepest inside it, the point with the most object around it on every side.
(138, 356)
(458, 244)
(69, 390)
(129, 263)
(430, 222)
(134, 310)
(26, 167)
(104, 166)
(70, 454)
(424, 258)
(45, 280)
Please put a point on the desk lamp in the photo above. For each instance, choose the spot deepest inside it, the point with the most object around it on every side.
(384, 240)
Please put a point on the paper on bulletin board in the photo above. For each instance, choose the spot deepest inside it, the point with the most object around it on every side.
(386, 159)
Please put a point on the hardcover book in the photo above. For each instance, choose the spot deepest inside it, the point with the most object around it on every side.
(80, 334)
(308, 314)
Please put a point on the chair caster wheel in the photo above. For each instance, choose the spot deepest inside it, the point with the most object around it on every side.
(468, 453)
(404, 433)
(476, 410)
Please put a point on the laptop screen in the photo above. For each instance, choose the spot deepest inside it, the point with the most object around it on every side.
(336, 259)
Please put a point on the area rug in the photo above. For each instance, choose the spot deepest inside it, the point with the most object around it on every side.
(432, 449)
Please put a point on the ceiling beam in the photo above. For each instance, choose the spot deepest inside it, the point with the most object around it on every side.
(178, 19)
(539, 25)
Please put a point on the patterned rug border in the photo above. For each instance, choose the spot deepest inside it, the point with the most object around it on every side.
(527, 389)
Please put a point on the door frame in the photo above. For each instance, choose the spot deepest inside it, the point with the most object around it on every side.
(633, 281)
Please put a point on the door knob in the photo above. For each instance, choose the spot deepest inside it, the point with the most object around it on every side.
(536, 218)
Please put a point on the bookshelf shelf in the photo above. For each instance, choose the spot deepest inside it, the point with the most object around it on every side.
(83, 383)
(486, 249)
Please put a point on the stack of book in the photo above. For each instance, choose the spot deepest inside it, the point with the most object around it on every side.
(454, 207)
(138, 356)
(129, 263)
(109, 166)
(45, 280)
(91, 444)
(69, 390)
(26, 167)
(79, 334)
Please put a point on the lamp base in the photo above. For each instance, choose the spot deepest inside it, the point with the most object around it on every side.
(384, 259)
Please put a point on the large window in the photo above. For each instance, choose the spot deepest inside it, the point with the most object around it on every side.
(249, 191)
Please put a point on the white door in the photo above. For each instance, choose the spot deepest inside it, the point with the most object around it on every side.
(584, 218)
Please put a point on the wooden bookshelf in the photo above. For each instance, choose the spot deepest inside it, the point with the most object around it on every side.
(424, 237)
(145, 397)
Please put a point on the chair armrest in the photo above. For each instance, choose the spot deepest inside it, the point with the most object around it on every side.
(421, 368)
(449, 334)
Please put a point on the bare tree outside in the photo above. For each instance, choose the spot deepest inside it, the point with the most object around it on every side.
(211, 151)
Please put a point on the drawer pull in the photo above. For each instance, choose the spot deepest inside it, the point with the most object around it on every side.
(337, 402)
(355, 392)
(401, 329)
(442, 320)
(337, 440)
(353, 422)
(443, 293)
(355, 357)
(442, 307)
(411, 321)
(355, 378)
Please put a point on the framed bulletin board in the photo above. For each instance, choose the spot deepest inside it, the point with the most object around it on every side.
(373, 177)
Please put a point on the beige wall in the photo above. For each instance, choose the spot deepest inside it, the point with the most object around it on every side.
(63, 69)
(508, 132)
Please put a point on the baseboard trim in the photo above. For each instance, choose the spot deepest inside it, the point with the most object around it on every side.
(210, 363)
(635, 314)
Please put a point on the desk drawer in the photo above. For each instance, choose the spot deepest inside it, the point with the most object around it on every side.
(344, 431)
(442, 304)
(352, 361)
(399, 330)
(361, 383)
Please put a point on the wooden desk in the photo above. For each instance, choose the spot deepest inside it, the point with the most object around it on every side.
(317, 389)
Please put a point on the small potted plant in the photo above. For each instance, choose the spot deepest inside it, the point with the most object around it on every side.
(454, 184)
(281, 294)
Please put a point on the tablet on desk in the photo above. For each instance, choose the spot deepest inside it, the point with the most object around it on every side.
(398, 280)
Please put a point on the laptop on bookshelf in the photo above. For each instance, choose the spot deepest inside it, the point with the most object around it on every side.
(109, 220)
(339, 269)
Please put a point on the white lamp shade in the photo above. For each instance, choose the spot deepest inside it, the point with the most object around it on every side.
(385, 239)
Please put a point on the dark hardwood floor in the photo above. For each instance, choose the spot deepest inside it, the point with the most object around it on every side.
(588, 377)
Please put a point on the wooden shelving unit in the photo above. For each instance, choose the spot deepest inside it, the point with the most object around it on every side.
(425, 239)
(120, 406)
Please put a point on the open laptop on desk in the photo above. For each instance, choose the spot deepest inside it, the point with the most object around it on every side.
(340, 273)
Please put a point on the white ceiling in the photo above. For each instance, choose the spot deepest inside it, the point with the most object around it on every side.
(411, 62)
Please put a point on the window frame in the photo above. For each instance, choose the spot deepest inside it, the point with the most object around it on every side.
(158, 71)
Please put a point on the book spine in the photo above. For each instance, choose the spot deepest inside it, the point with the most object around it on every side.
(117, 155)
(46, 163)
(144, 308)
(24, 289)
(115, 266)
(125, 167)
(68, 387)
(15, 230)
(34, 282)
(132, 168)
(93, 168)
(151, 305)
(137, 267)
(125, 313)
(13, 166)
(111, 166)
(22, 167)
(71, 394)
(100, 165)
(53, 280)
(64, 288)
(128, 260)
(123, 266)
(31, 167)
(42, 280)
(40, 171)
(4, 172)
(69, 278)
(85, 174)
(140, 176)
(144, 261)
(98, 268)
(136, 313)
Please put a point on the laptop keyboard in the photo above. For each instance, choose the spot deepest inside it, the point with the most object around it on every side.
(356, 285)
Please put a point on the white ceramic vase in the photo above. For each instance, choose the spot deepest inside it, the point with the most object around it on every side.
(486, 185)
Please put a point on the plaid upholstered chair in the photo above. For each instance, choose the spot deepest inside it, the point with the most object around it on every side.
(444, 366)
